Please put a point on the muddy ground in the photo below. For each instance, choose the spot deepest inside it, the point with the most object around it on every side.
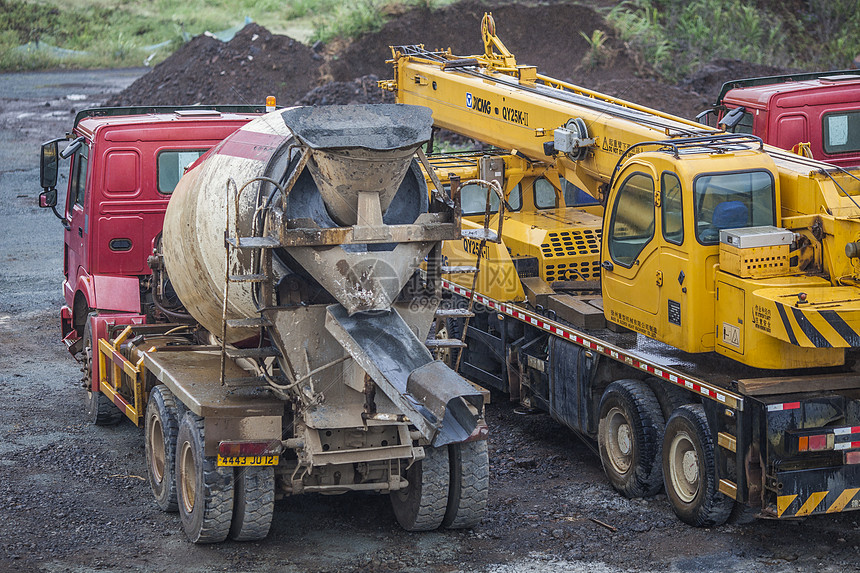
(73, 496)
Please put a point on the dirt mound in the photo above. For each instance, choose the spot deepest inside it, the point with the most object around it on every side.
(358, 91)
(251, 66)
(257, 63)
(543, 35)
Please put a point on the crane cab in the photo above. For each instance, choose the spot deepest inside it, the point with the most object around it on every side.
(660, 250)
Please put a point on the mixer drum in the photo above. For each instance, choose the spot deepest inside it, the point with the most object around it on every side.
(193, 242)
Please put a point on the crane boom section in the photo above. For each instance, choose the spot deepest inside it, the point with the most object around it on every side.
(499, 107)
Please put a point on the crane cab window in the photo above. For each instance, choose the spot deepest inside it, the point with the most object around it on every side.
(574, 196)
(732, 201)
(672, 209)
(842, 132)
(545, 196)
(171, 166)
(632, 224)
(473, 199)
(745, 125)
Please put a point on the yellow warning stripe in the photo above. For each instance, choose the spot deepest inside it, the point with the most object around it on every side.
(843, 500)
(783, 502)
(811, 503)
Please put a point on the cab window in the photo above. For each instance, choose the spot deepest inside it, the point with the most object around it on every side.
(672, 209)
(745, 125)
(77, 190)
(171, 166)
(632, 223)
(545, 197)
(732, 201)
(842, 132)
(574, 196)
(473, 199)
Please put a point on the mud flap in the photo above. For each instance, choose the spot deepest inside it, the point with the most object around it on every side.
(442, 405)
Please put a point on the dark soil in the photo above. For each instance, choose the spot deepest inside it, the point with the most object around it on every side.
(257, 63)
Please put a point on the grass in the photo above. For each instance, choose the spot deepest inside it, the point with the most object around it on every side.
(36, 34)
(676, 37)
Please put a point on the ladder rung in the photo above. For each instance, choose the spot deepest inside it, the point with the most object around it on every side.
(481, 234)
(247, 278)
(456, 312)
(253, 352)
(253, 242)
(248, 322)
(445, 343)
(446, 270)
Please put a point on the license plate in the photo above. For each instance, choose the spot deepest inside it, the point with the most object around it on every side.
(248, 461)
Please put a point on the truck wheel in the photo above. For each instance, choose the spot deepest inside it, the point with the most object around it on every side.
(470, 476)
(253, 503)
(689, 469)
(421, 505)
(161, 428)
(100, 410)
(204, 489)
(629, 437)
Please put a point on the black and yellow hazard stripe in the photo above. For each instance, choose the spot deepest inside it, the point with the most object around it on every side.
(815, 329)
(795, 505)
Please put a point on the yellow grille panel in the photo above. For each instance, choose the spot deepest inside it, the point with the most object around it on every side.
(571, 255)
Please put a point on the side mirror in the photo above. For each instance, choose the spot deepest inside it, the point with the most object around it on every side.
(48, 199)
(49, 166)
(732, 118)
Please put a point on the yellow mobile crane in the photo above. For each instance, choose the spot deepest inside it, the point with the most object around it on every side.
(738, 263)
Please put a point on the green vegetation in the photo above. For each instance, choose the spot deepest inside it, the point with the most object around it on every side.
(674, 37)
(37, 34)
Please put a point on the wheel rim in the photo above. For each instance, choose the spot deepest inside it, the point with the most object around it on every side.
(187, 477)
(684, 467)
(156, 449)
(619, 442)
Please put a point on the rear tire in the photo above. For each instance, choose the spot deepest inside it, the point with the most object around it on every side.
(422, 504)
(204, 489)
(469, 490)
(689, 469)
(630, 437)
(100, 410)
(161, 429)
(253, 503)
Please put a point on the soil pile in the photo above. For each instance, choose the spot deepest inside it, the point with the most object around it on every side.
(257, 63)
(251, 66)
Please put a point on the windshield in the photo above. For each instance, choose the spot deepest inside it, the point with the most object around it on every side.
(731, 201)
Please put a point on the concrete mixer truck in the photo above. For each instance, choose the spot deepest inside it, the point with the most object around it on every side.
(264, 317)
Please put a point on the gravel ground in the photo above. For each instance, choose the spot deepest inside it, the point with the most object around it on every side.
(73, 496)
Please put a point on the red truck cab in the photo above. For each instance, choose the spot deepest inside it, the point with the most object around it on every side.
(821, 110)
(125, 163)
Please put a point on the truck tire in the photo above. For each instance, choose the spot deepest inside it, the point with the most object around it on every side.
(100, 410)
(630, 437)
(160, 429)
(469, 489)
(253, 503)
(422, 504)
(204, 489)
(689, 469)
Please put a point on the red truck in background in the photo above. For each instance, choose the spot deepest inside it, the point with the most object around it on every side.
(814, 114)
(125, 163)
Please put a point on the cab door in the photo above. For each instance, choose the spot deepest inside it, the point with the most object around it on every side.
(630, 275)
(76, 214)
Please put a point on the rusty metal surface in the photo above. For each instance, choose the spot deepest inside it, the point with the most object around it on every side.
(194, 378)
(452, 401)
